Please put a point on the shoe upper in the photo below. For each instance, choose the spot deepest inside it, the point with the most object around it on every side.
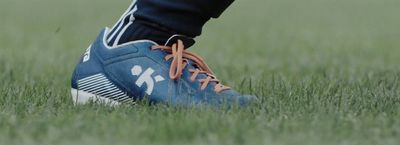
(138, 69)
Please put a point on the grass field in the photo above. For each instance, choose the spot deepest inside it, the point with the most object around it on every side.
(327, 73)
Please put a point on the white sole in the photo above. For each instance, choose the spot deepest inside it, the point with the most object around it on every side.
(81, 97)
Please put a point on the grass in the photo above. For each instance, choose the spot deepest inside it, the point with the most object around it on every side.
(327, 72)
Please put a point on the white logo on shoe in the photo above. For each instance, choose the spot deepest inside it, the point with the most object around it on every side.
(86, 56)
(146, 77)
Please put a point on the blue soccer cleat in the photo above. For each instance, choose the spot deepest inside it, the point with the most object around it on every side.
(143, 69)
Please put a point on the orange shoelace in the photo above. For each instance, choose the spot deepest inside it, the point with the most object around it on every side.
(180, 57)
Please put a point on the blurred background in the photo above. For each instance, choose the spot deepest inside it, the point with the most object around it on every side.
(257, 36)
(282, 50)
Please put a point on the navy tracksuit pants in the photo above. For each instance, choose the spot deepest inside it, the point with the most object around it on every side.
(181, 16)
(187, 16)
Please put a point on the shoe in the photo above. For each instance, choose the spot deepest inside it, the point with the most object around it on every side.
(143, 69)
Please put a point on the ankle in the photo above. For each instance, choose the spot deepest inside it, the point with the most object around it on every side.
(140, 30)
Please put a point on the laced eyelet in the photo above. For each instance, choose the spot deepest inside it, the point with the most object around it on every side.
(180, 58)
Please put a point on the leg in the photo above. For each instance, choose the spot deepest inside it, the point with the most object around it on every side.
(161, 19)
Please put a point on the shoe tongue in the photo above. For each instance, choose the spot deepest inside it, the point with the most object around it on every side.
(187, 41)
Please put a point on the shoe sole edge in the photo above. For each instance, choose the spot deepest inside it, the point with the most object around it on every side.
(80, 97)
